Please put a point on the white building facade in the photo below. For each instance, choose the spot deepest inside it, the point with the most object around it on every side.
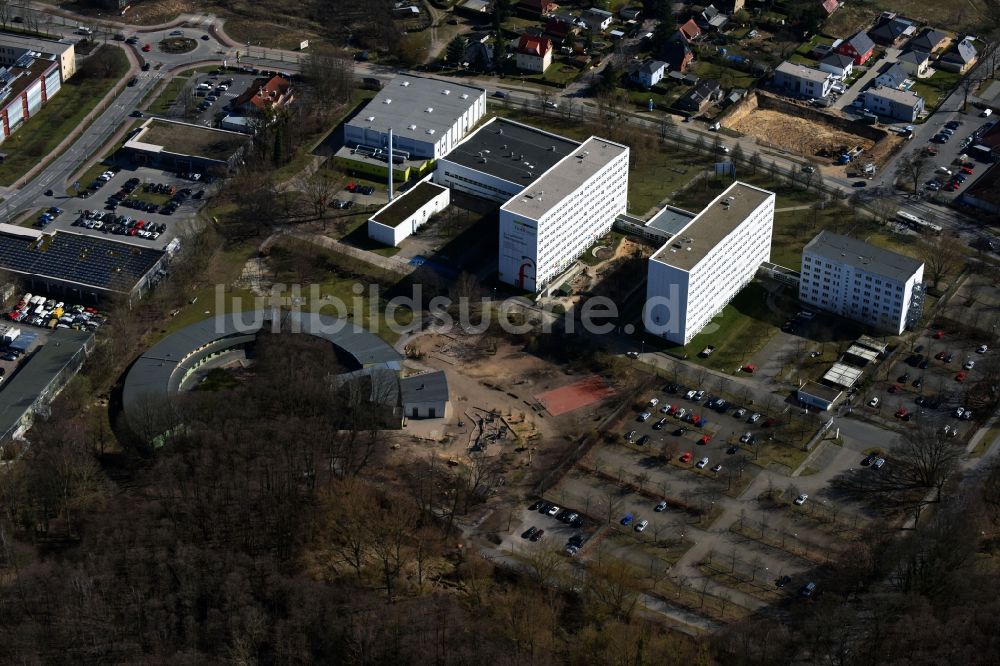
(802, 80)
(862, 282)
(551, 223)
(707, 262)
(402, 216)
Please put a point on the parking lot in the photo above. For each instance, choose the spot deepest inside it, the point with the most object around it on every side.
(178, 223)
(965, 131)
(207, 96)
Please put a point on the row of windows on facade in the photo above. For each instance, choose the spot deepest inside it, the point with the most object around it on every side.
(853, 305)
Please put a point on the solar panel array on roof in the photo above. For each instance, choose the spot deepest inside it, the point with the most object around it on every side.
(87, 260)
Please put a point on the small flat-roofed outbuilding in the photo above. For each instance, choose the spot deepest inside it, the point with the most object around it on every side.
(842, 374)
(818, 395)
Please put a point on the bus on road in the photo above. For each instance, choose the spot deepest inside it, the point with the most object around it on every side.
(918, 224)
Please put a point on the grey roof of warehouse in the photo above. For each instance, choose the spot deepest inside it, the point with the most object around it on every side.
(427, 387)
(694, 241)
(150, 375)
(402, 207)
(511, 151)
(92, 261)
(404, 102)
(821, 391)
(847, 250)
(21, 390)
(564, 178)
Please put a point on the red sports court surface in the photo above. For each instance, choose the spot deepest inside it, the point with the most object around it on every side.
(579, 394)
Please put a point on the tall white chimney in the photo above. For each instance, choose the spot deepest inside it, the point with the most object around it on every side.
(390, 164)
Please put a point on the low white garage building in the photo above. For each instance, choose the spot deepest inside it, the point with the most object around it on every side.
(424, 396)
(407, 213)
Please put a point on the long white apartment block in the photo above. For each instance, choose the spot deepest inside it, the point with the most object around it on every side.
(562, 213)
(861, 281)
(707, 262)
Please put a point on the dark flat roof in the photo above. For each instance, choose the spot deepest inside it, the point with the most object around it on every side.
(86, 260)
(513, 152)
(405, 205)
(151, 375)
(20, 391)
(428, 387)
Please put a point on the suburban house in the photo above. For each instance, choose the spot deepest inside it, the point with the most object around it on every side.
(649, 72)
(893, 31)
(537, 7)
(915, 63)
(700, 97)
(262, 94)
(534, 54)
(479, 55)
(959, 58)
(712, 19)
(803, 81)
(891, 75)
(560, 26)
(690, 30)
(929, 40)
(477, 6)
(677, 53)
(829, 6)
(837, 64)
(898, 104)
(860, 47)
(597, 20)
(629, 13)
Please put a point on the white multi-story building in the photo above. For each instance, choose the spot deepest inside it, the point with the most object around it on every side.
(562, 213)
(860, 281)
(427, 117)
(707, 262)
(802, 80)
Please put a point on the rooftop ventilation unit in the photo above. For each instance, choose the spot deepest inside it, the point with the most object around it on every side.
(430, 131)
(413, 127)
(465, 96)
(445, 92)
(387, 101)
(370, 118)
(552, 149)
(405, 84)
(429, 109)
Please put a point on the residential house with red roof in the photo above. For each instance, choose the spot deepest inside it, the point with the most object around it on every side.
(263, 94)
(690, 30)
(534, 54)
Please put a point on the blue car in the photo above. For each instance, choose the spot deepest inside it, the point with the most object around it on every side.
(627, 520)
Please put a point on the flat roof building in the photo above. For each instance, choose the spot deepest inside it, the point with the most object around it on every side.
(175, 146)
(562, 213)
(500, 159)
(820, 396)
(39, 379)
(408, 212)
(428, 117)
(860, 281)
(78, 266)
(707, 262)
(13, 46)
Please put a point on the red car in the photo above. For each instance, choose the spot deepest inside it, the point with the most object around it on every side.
(750, 367)
(147, 48)
(940, 355)
(894, 388)
(938, 335)
(705, 439)
(968, 170)
(352, 186)
(686, 457)
(960, 377)
(901, 412)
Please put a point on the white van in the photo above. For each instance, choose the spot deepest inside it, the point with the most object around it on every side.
(986, 113)
(84, 30)
(944, 170)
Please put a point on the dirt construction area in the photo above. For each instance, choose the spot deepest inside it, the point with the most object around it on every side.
(798, 135)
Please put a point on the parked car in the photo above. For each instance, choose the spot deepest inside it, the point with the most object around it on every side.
(801, 499)
(662, 506)
(701, 464)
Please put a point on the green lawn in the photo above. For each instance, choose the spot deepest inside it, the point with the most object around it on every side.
(40, 135)
(612, 240)
(936, 87)
(166, 99)
(728, 77)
